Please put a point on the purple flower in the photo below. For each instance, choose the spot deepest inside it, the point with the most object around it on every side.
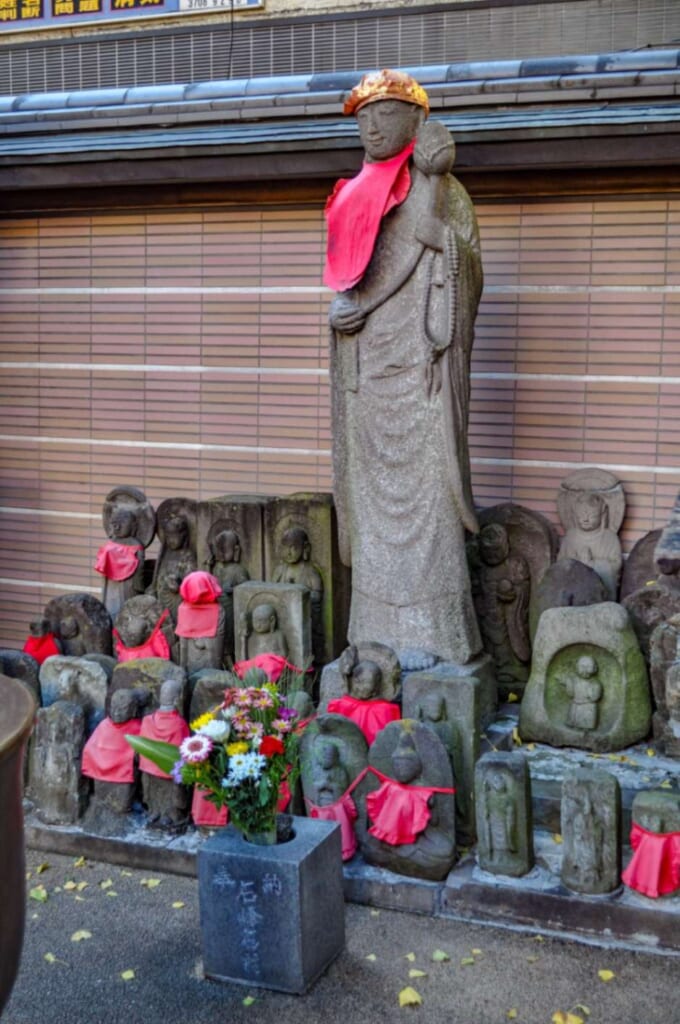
(176, 771)
(287, 714)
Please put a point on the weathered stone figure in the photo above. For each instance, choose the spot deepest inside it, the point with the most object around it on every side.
(130, 524)
(503, 605)
(404, 255)
(585, 691)
(504, 814)
(224, 562)
(109, 760)
(591, 504)
(166, 801)
(262, 633)
(296, 567)
(590, 821)
(56, 785)
(177, 557)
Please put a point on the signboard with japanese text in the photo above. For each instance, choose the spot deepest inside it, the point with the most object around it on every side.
(16, 15)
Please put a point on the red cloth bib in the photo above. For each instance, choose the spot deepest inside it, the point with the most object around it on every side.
(41, 647)
(107, 755)
(655, 866)
(354, 211)
(399, 813)
(117, 561)
(168, 726)
(272, 664)
(345, 813)
(370, 715)
(198, 614)
(205, 813)
(155, 647)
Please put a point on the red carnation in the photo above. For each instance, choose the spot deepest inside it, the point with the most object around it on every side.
(271, 745)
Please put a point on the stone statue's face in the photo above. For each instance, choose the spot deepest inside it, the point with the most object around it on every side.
(121, 524)
(406, 764)
(293, 546)
(226, 546)
(387, 126)
(433, 708)
(365, 680)
(136, 631)
(264, 619)
(327, 755)
(176, 534)
(498, 782)
(170, 691)
(39, 627)
(69, 628)
(588, 512)
(494, 546)
(586, 666)
(122, 706)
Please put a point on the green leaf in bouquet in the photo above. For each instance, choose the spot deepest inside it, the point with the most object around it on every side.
(163, 755)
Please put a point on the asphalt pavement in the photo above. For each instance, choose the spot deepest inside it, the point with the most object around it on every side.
(111, 945)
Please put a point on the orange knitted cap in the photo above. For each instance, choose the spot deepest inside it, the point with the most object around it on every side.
(386, 85)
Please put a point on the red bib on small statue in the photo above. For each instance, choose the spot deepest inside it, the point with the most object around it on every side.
(272, 664)
(156, 646)
(41, 647)
(399, 813)
(118, 561)
(204, 812)
(354, 211)
(370, 715)
(655, 867)
(107, 755)
(168, 726)
(345, 813)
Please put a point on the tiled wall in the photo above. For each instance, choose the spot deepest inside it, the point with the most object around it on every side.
(186, 352)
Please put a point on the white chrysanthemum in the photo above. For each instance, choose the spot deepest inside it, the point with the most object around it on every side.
(245, 766)
(216, 730)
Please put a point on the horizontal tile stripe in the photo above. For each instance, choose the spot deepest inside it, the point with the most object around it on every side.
(35, 584)
(169, 445)
(492, 289)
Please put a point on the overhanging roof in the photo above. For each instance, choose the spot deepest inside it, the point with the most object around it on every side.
(291, 126)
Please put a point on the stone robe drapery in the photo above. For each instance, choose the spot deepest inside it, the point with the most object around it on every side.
(400, 458)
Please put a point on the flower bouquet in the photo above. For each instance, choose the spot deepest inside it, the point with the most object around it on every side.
(242, 754)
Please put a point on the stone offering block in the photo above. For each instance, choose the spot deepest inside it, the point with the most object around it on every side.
(450, 702)
(503, 803)
(75, 679)
(590, 826)
(272, 916)
(290, 602)
(588, 686)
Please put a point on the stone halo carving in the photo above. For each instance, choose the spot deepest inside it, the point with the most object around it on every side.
(134, 500)
(592, 480)
(184, 508)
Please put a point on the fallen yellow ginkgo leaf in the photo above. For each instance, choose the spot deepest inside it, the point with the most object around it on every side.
(606, 975)
(82, 885)
(650, 753)
(476, 952)
(106, 885)
(512, 698)
(127, 975)
(111, 892)
(79, 862)
(467, 961)
(410, 956)
(557, 838)
(371, 956)
(415, 973)
(439, 956)
(38, 893)
(80, 935)
(560, 1017)
(150, 883)
(177, 905)
(513, 1013)
(68, 886)
(248, 1000)
(516, 737)
(41, 867)
(50, 957)
(409, 997)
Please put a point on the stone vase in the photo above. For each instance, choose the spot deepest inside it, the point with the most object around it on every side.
(272, 916)
(17, 708)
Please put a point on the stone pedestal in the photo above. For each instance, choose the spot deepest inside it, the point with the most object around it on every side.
(272, 916)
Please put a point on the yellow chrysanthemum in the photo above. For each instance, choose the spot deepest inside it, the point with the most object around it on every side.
(240, 747)
(202, 720)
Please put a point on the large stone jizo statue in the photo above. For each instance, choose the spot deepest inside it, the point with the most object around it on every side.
(403, 254)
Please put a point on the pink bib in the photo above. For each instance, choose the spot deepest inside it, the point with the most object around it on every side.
(117, 561)
(107, 755)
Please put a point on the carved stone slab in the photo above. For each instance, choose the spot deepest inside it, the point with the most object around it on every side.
(242, 514)
(665, 677)
(149, 674)
(325, 779)
(503, 803)
(334, 678)
(450, 703)
(565, 584)
(56, 786)
(315, 514)
(639, 568)
(290, 602)
(590, 824)
(588, 686)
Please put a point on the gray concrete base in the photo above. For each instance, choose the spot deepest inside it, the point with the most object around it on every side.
(538, 902)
